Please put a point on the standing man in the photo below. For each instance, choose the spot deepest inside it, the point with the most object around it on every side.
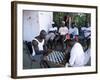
(73, 30)
(63, 30)
(87, 31)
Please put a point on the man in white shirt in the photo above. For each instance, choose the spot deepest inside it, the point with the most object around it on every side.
(76, 54)
(73, 30)
(87, 31)
(63, 30)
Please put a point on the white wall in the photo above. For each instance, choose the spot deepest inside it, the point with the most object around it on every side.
(45, 20)
(5, 41)
(30, 24)
(34, 22)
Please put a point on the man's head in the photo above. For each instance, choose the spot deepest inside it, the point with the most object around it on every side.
(63, 23)
(70, 41)
(73, 25)
(87, 24)
(53, 24)
(43, 34)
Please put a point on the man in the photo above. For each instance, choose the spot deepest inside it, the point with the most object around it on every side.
(63, 30)
(51, 35)
(38, 46)
(86, 31)
(73, 30)
(76, 54)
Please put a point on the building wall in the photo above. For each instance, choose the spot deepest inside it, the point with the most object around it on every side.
(34, 22)
(30, 25)
(45, 20)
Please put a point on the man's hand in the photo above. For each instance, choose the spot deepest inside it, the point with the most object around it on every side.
(49, 50)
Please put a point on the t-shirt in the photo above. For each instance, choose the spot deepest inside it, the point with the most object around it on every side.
(74, 31)
(87, 31)
(63, 30)
(77, 55)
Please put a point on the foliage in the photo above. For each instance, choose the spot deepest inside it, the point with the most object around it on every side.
(80, 19)
(58, 17)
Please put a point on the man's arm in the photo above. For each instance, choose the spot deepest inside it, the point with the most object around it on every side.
(45, 46)
(72, 58)
(59, 31)
(46, 50)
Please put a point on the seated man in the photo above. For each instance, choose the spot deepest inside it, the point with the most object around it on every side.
(38, 46)
(76, 54)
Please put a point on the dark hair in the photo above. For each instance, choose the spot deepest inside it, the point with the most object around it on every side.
(42, 31)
